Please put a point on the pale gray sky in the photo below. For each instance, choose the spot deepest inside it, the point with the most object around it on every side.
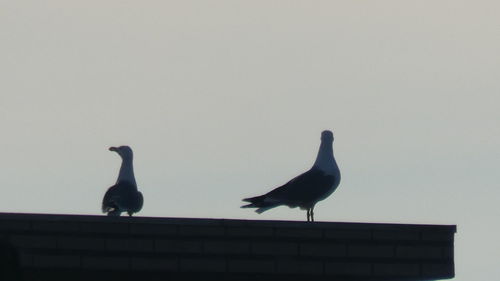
(222, 100)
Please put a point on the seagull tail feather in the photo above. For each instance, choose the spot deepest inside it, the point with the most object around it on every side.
(263, 203)
(263, 209)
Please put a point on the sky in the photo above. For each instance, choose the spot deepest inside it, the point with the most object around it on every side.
(222, 100)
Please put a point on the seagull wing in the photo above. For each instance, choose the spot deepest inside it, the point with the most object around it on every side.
(137, 202)
(304, 189)
(123, 197)
(111, 199)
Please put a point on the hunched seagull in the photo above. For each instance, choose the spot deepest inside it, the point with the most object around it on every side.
(307, 189)
(123, 196)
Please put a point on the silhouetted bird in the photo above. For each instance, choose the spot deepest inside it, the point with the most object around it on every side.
(307, 189)
(123, 196)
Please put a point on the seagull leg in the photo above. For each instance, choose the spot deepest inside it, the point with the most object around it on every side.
(312, 213)
(308, 214)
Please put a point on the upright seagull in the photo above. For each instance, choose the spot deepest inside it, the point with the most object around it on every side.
(123, 196)
(307, 189)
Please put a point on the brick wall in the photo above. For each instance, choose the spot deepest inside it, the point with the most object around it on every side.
(68, 247)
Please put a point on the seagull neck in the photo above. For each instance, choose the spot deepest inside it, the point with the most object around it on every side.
(325, 160)
(126, 172)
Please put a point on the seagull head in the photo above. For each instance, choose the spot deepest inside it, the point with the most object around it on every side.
(327, 136)
(124, 151)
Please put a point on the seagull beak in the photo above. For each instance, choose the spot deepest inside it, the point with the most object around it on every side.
(113, 149)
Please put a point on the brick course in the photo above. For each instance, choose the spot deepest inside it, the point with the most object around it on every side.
(63, 247)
